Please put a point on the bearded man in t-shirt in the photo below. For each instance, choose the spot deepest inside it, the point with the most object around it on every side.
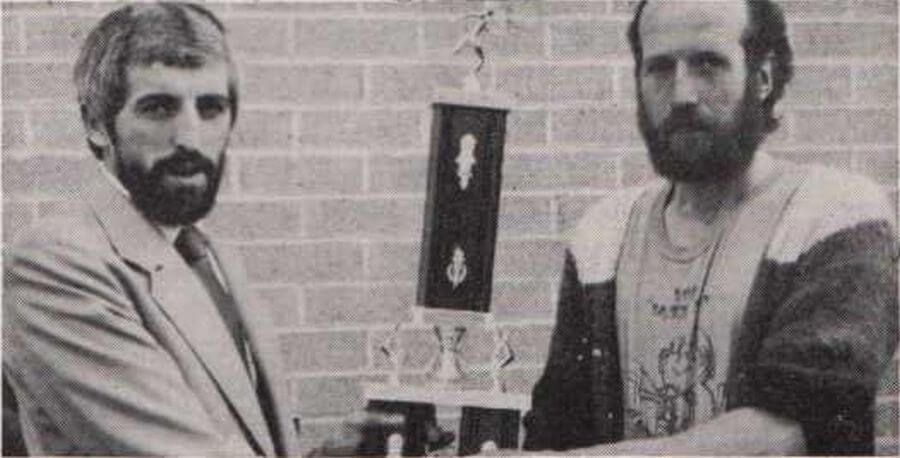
(742, 305)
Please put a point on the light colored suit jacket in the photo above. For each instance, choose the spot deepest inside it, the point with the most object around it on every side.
(114, 347)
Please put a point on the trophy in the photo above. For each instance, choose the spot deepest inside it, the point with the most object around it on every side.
(464, 177)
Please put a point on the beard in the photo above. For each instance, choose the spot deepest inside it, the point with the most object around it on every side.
(687, 148)
(160, 197)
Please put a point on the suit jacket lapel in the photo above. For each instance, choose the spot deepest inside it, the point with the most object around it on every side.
(264, 347)
(182, 297)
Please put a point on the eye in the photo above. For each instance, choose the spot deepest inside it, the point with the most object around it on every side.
(212, 106)
(708, 62)
(658, 66)
(157, 106)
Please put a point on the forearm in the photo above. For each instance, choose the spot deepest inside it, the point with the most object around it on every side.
(745, 431)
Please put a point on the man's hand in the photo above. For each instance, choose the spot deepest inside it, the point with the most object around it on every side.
(362, 433)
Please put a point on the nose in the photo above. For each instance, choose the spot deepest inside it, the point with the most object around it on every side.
(685, 89)
(187, 131)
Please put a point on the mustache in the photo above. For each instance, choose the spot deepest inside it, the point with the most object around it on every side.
(684, 118)
(183, 162)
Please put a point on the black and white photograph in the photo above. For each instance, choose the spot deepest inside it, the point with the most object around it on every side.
(449, 228)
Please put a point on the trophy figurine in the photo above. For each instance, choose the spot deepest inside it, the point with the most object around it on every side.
(503, 356)
(447, 366)
(394, 353)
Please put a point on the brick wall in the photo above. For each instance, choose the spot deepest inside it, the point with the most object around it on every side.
(325, 190)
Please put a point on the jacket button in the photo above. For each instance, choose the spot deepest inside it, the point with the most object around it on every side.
(584, 340)
(597, 353)
(579, 357)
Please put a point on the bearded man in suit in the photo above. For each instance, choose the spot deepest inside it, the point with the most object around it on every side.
(126, 331)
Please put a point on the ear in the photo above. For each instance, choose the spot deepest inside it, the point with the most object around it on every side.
(97, 135)
(764, 77)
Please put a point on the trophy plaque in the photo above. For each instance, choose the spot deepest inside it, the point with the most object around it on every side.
(462, 203)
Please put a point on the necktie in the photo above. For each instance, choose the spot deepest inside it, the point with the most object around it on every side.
(194, 248)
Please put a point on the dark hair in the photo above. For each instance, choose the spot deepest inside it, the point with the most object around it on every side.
(177, 34)
(766, 34)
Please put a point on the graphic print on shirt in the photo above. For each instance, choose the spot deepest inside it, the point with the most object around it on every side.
(674, 383)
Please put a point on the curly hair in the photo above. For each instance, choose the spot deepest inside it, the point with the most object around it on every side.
(177, 34)
(765, 35)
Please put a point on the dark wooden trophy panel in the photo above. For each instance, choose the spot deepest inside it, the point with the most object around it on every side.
(461, 208)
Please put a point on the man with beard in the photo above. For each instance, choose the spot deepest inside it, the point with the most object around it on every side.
(743, 306)
(126, 331)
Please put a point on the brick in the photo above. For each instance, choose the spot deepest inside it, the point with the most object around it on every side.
(17, 217)
(263, 129)
(293, 7)
(627, 93)
(14, 133)
(30, 8)
(61, 129)
(888, 382)
(819, 85)
(526, 127)
(57, 36)
(281, 303)
(12, 41)
(525, 300)
(294, 176)
(570, 209)
(393, 261)
(530, 343)
(524, 216)
(581, 8)
(324, 351)
(886, 418)
(414, 83)
(614, 127)
(521, 380)
(398, 173)
(326, 396)
(876, 85)
(355, 38)
(32, 82)
(354, 304)
(303, 84)
(369, 128)
(45, 176)
(525, 40)
(581, 39)
(879, 165)
(390, 218)
(834, 158)
(249, 221)
(808, 9)
(840, 40)
(528, 259)
(464, 7)
(303, 263)
(874, 8)
(258, 36)
(559, 171)
(545, 83)
(843, 126)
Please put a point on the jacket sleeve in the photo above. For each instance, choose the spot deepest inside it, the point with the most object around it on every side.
(561, 414)
(89, 377)
(827, 342)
